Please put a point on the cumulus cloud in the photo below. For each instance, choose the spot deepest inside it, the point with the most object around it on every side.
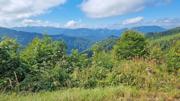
(107, 8)
(133, 20)
(14, 10)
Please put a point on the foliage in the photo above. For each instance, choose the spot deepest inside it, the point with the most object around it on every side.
(44, 64)
(143, 74)
(47, 64)
(169, 32)
(44, 53)
(174, 57)
(105, 45)
(77, 61)
(12, 70)
(131, 44)
(157, 54)
(165, 42)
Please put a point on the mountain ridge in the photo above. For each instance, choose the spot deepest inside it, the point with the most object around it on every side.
(81, 38)
(24, 38)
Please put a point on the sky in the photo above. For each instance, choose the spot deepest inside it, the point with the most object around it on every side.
(113, 14)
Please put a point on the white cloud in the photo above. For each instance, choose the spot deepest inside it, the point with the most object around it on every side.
(74, 24)
(71, 24)
(135, 20)
(14, 10)
(107, 8)
(165, 22)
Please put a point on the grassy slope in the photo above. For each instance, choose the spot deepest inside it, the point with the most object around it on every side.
(98, 94)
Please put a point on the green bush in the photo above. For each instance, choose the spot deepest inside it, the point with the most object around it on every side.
(77, 60)
(12, 69)
(131, 44)
(47, 63)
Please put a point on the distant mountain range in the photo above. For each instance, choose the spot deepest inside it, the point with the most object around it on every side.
(26, 37)
(81, 38)
(22, 37)
(91, 34)
(148, 29)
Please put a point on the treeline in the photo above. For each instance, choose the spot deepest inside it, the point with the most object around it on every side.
(45, 65)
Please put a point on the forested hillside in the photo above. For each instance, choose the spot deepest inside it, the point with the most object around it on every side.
(164, 33)
(22, 38)
(163, 39)
(132, 66)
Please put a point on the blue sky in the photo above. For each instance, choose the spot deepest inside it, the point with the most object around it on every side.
(90, 13)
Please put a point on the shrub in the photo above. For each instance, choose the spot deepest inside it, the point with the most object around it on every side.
(12, 69)
(142, 74)
(47, 63)
(131, 44)
(77, 60)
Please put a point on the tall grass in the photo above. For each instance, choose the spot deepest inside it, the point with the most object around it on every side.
(120, 93)
(134, 84)
(129, 80)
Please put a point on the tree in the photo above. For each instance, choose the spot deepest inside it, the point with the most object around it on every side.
(131, 44)
(12, 69)
(44, 56)
(44, 53)
(77, 61)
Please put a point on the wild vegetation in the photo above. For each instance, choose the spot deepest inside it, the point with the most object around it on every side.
(136, 67)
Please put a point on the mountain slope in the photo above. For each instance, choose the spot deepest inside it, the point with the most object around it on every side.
(25, 37)
(22, 37)
(105, 45)
(165, 38)
(148, 29)
(164, 33)
(81, 38)
(91, 34)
